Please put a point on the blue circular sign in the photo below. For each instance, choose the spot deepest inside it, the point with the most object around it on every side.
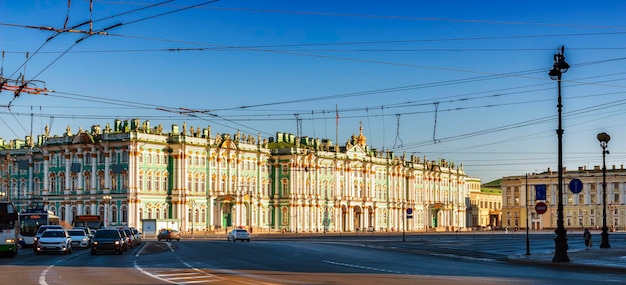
(409, 211)
(576, 186)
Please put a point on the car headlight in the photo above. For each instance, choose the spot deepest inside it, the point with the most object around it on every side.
(95, 243)
(117, 242)
(9, 240)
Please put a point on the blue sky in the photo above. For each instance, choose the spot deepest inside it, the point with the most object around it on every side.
(464, 81)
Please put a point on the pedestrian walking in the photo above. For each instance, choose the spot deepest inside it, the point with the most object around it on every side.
(587, 237)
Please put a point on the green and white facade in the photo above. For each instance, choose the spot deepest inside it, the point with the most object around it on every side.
(131, 171)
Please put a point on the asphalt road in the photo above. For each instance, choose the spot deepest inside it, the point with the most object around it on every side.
(433, 259)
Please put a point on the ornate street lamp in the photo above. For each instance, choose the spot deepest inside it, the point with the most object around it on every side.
(560, 242)
(106, 199)
(604, 140)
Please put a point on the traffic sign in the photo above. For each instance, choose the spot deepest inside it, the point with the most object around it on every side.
(576, 186)
(540, 192)
(409, 211)
(541, 208)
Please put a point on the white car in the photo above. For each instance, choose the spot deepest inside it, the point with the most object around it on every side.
(54, 240)
(40, 232)
(80, 239)
(239, 234)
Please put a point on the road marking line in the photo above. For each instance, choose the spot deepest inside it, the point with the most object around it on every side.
(364, 267)
(42, 277)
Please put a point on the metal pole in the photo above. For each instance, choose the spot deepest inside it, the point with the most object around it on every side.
(560, 251)
(527, 214)
(605, 233)
(403, 234)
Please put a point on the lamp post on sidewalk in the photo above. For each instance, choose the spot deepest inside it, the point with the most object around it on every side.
(107, 200)
(527, 214)
(604, 140)
(560, 242)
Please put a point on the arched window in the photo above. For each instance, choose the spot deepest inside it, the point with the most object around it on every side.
(52, 185)
(189, 182)
(36, 186)
(101, 212)
(114, 184)
(114, 217)
(140, 182)
(197, 181)
(87, 181)
(202, 187)
(149, 181)
(62, 213)
(62, 182)
(23, 187)
(101, 181)
(73, 182)
(124, 179)
(164, 188)
(124, 214)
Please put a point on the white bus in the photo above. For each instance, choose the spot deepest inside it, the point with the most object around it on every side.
(29, 222)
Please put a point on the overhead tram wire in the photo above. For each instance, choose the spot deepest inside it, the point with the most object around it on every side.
(102, 31)
(405, 88)
(71, 29)
(600, 107)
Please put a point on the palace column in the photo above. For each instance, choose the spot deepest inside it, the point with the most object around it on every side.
(107, 173)
(79, 182)
(94, 173)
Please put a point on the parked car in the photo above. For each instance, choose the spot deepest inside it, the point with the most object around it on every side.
(80, 239)
(168, 235)
(40, 232)
(239, 234)
(107, 240)
(54, 240)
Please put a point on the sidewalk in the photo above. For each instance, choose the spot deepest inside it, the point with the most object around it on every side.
(602, 259)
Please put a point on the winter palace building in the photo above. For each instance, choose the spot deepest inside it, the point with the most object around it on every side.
(130, 171)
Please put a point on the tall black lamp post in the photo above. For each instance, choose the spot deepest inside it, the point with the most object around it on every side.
(604, 140)
(560, 242)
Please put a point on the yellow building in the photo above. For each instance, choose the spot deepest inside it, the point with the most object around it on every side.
(485, 206)
(580, 210)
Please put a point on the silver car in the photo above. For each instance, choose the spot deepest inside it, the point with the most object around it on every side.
(238, 234)
(80, 239)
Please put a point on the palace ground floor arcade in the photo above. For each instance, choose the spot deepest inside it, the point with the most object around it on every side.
(291, 215)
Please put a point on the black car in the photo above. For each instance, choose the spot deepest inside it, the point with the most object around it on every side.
(107, 240)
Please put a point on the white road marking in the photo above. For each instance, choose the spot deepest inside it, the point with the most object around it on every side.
(365, 267)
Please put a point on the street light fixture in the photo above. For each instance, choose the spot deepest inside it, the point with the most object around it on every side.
(560, 242)
(604, 140)
(106, 199)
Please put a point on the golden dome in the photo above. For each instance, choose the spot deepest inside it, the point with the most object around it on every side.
(361, 139)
